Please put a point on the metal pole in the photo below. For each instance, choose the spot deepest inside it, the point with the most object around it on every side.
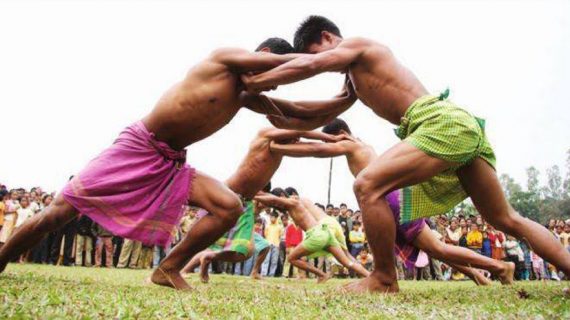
(330, 182)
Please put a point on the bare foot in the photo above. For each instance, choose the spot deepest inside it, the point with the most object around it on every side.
(372, 283)
(171, 279)
(324, 279)
(204, 275)
(256, 276)
(507, 276)
(480, 279)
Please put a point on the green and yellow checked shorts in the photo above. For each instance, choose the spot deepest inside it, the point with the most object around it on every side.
(441, 129)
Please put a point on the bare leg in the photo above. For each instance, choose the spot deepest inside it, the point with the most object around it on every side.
(400, 166)
(473, 274)
(480, 181)
(258, 262)
(193, 263)
(295, 259)
(224, 207)
(348, 263)
(455, 255)
(53, 217)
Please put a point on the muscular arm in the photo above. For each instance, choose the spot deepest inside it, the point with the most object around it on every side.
(241, 60)
(284, 134)
(304, 149)
(306, 66)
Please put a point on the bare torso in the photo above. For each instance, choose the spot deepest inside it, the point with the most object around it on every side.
(205, 101)
(256, 170)
(360, 155)
(382, 83)
(302, 215)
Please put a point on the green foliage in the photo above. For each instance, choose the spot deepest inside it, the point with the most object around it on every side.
(47, 292)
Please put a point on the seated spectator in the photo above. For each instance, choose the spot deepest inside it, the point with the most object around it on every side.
(486, 247)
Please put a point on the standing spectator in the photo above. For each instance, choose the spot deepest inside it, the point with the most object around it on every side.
(496, 238)
(537, 266)
(41, 251)
(345, 220)
(527, 261)
(11, 203)
(23, 213)
(356, 238)
(84, 241)
(329, 210)
(3, 194)
(273, 233)
(145, 258)
(65, 235)
(565, 234)
(293, 237)
(515, 254)
(104, 240)
(475, 238)
(130, 254)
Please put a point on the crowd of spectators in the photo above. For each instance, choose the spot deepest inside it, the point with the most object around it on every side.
(83, 242)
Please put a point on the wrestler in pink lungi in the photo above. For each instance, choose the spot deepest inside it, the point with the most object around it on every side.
(405, 233)
(136, 188)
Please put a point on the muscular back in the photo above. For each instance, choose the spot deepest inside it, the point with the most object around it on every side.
(256, 170)
(359, 156)
(205, 101)
(381, 82)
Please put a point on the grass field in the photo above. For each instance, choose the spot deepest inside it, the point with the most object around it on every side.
(36, 291)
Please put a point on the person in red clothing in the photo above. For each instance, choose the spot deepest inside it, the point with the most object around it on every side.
(497, 238)
(293, 237)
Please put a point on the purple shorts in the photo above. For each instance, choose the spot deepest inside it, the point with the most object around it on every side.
(405, 233)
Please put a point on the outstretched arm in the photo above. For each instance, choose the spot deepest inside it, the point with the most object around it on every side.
(284, 135)
(241, 60)
(311, 149)
(273, 201)
(306, 66)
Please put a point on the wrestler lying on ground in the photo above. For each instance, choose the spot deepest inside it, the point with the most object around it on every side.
(444, 157)
(253, 174)
(413, 236)
(137, 187)
(323, 235)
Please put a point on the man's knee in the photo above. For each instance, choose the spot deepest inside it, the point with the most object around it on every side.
(366, 189)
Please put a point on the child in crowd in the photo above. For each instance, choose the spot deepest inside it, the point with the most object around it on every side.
(365, 259)
(356, 238)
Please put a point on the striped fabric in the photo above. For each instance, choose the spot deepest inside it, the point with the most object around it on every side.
(439, 128)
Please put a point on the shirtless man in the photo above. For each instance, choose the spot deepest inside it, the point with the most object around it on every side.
(323, 234)
(443, 158)
(413, 236)
(136, 188)
(252, 175)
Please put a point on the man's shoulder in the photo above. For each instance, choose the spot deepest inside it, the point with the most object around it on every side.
(221, 54)
(361, 42)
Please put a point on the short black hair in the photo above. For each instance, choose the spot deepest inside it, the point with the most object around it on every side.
(278, 192)
(267, 187)
(343, 205)
(276, 45)
(335, 126)
(330, 206)
(320, 206)
(309, 32)
(291, 191)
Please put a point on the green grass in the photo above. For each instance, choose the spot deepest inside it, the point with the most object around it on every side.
(36, 291)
